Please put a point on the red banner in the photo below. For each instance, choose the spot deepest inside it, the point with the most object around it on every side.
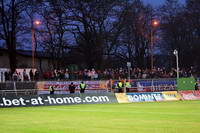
(190, 95)
(62, 87)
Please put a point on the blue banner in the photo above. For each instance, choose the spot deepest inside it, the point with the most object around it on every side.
(159, 82)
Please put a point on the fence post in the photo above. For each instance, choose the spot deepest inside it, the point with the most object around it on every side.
(111, 85)
(14, 87)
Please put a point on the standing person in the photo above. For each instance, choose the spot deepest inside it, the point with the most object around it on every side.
(72, 88)
(82, 87)
(127, 85)
(25, 77)
(120, 86)
(196, 84)
(31, 75)
(6, 74)
(20, 77)
(116, 87)
(36, 75)
(66, 74)
(51, 89)
(15, 76)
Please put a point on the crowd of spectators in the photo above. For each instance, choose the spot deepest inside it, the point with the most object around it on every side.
(87, 74)
(22, 76)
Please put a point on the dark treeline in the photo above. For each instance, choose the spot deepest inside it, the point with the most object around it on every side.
(103, 33)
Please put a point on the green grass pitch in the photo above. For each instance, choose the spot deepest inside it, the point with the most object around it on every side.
(158, 117)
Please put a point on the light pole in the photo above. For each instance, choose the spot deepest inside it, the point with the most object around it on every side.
(129, 73)
(177, 65)
(35, 23)
(154, 24)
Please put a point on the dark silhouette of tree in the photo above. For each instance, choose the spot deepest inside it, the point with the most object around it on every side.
(101, 33)
(54, 31)
(92, 22)
(10, 11)
(192, 22)
(179, 31)
(135, 38)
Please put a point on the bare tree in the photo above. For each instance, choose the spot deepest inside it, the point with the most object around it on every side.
(135, 39)
(192, 20)
(91, 23)
(54, 32)
(180, 31)
(10, 11)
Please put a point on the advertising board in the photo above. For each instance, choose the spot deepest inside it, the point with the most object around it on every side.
(171, 96)
(47, 100)
(145, 97)
(122, 97)
(149, 97)
(61, 87)
(190, 95)
(186, 83)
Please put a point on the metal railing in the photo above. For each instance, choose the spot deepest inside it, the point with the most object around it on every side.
(18, 92)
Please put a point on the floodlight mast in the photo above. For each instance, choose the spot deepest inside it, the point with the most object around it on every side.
(34, 24)
(177, 63)
(154, 25)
